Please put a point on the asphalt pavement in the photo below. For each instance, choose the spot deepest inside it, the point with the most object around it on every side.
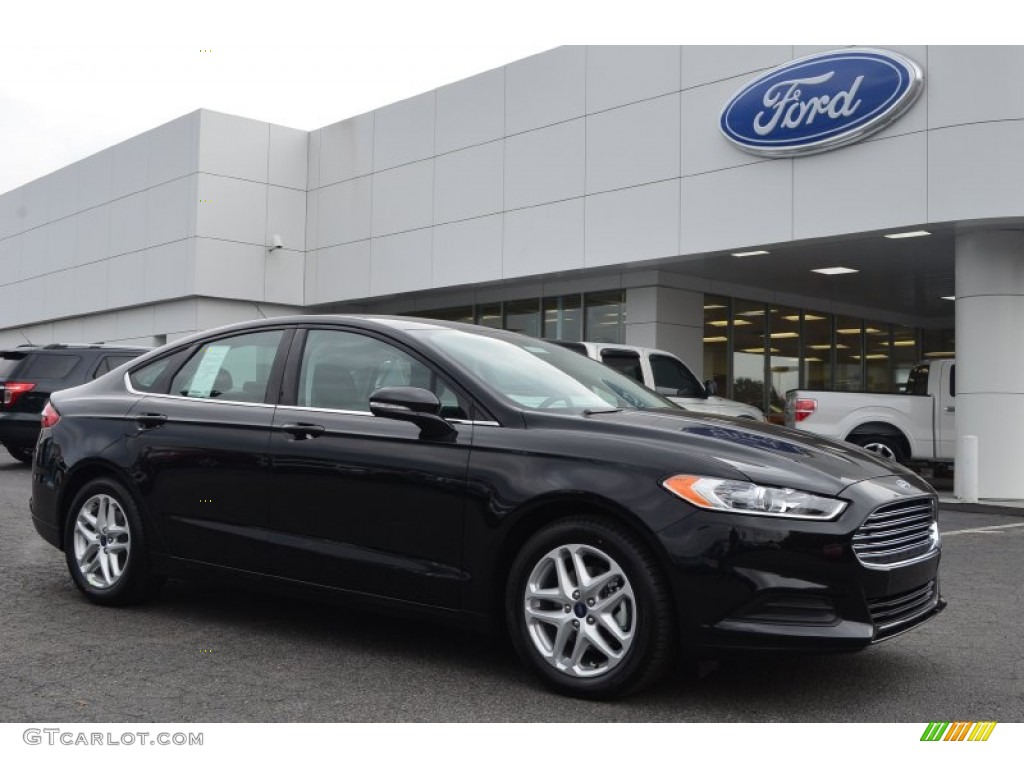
(209, 654)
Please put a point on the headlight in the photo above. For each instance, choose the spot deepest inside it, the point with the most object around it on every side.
(747, 498)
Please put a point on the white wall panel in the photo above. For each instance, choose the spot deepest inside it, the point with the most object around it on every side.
(341, 272)
(547, 238)
(92, 234)
(704, 148)
(467, 252)
(622, 74)
(284, 277)
(34, 208)
(130, 166)
(545, 165)
(233, 146)
(313, 156)
(404, 132)
(175, 316)
(63, 191)
(174, 149)
(10, 261)
(229, 270)
(401, 262)
(403, 198)
(125, 277)
(286, 216)
(633, 145)
(976, 171)
(169, 271)
(471, 111)
(544, 89)
(10, 212)
(95, 179)
(169, 210)
(231, 209)
(974, 83)
(60, 244)
(288, 157)
(871, 185)
(128, 223)
(702, 64)
(750, 205)
(343, 213)
(468, 183)
(633, 224)
(346, 150)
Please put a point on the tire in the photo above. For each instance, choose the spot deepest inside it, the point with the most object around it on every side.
(105, 546)
(886, 446)
(24, 455)
(628, 592)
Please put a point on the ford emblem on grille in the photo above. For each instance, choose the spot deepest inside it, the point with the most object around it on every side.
(821, 102)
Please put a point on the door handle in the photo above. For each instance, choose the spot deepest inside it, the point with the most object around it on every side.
(304, 431)
(150, 420)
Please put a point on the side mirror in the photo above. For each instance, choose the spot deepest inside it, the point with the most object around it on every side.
(710, 387)
(413, 404)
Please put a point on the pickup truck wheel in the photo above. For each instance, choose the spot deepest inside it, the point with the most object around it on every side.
(886, 446)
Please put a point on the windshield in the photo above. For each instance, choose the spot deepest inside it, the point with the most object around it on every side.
(535, 374)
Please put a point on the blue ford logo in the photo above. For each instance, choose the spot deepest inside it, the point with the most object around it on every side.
(821, 102)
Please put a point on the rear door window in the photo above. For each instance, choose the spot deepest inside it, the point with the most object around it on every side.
(9, 362)
(673, 378)
(236, 368)
(50, 366)
(625, 362)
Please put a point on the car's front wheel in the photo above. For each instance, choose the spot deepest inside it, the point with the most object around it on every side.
(105, 545)
(589, 610)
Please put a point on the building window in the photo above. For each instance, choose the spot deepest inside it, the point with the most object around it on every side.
(563, 317)
(489, 315)
(818, 351)
(605, 317)
(748, 357)
(849, 354)
(784, 358)
(716, 342)
(523, 317)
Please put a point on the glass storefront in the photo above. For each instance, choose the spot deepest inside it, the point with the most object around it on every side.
(573, 317)
(756, 352)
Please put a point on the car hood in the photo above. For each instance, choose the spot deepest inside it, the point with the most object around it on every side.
(764, 453)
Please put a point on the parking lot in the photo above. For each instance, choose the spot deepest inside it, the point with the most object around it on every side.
(205, 654)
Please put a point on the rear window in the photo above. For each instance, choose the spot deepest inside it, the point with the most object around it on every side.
(671, 377)
(108, 364)
(50, 366)
(9, 361)
(626, 363)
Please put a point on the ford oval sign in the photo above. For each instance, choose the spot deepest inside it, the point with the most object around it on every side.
(821, 102)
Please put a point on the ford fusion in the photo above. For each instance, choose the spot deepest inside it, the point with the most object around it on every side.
(495, 479)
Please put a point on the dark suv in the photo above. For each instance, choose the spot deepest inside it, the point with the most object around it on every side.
(29, 374)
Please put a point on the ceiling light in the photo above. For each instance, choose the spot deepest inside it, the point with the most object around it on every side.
(714, 306)
(714, 339)
(938, 354)
(835, 271)
(904, 343)
(786, 335)
(741, 254)
(759, 350)
(723, 323)
(847, 331)
(902, 235)
(948, 298)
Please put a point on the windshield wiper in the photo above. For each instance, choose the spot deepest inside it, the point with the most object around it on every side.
(592, 411)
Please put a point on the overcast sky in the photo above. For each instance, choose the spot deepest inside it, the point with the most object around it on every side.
(77, 77)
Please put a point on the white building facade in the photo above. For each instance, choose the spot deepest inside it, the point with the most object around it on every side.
(586, 192)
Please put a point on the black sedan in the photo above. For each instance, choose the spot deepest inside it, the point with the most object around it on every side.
(495, 479)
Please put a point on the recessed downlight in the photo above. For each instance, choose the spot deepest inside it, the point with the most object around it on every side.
(835, 271)
(904, 235)
(741, 254)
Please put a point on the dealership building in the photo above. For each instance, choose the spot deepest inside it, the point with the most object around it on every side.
(768, 213)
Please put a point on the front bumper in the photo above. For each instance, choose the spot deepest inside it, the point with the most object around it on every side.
(756, 583)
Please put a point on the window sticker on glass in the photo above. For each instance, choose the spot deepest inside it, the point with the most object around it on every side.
(206, 373)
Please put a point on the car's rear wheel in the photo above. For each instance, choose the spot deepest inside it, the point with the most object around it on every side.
(105, 546)
(589, 610)
(24, 455)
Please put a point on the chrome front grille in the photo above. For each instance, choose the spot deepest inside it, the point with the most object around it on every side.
(897, 533)
(894, 610)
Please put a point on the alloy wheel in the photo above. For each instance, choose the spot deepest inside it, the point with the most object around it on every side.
(102, 541)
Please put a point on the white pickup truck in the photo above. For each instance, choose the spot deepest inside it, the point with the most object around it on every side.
(916, 426)
(666, 374)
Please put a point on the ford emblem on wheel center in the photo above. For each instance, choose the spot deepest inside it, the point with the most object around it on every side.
(821, 102)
